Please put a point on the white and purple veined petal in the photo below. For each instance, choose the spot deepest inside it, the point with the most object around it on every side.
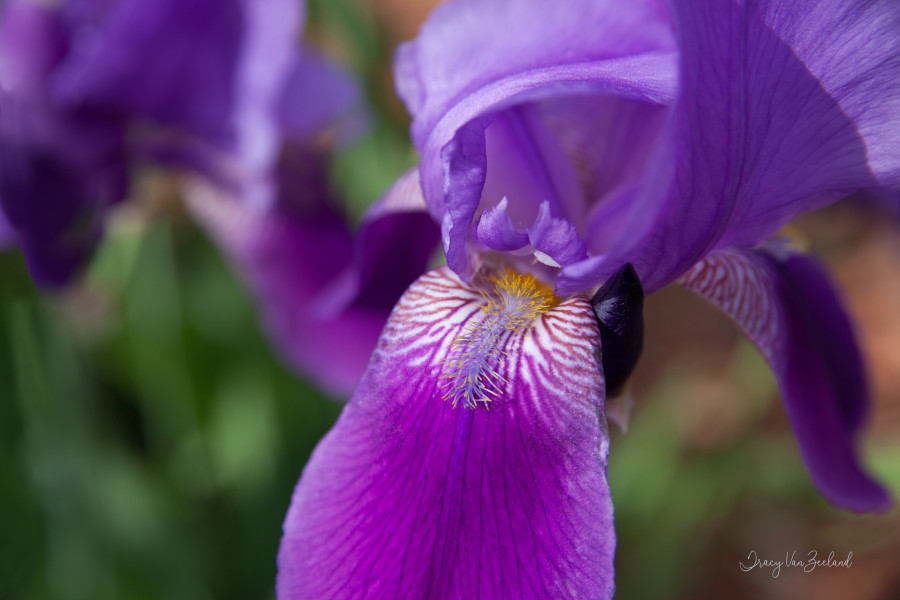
(410, 496)
(784, 303)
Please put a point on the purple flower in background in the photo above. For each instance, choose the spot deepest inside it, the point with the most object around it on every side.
(558, 144)
(324, 291)
(90, 88)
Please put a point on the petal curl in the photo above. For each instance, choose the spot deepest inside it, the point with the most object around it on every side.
(588, 47)
(408, 497)
(784, 303)
(557, 238)
(784, 106)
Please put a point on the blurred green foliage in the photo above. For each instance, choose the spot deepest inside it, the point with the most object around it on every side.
(150, 439)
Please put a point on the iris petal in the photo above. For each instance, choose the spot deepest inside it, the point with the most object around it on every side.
(408, 497)
(784, 303)
(783, 107)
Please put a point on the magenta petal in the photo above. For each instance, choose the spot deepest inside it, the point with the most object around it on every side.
(784, 303)
(408, 497)
(32, 42)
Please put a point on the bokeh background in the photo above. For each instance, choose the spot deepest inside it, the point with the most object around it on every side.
(150, 437)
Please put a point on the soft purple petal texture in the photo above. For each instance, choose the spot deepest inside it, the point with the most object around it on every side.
(408, 497)
(324, 295)
(583, 47)
(785, 304)
(557, 238)
(496, 230)
(784, 106)
(608, 140)
(57, 176)
(319, 96)
(529, 166)
(149, 58)
(32, 41)
(7, 234)
(391, 248)
(213, 68)
(268, 52)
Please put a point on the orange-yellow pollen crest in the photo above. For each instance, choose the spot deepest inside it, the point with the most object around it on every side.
(477, 354)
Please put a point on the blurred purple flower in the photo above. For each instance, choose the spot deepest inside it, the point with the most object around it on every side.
(576, 140)
(90, 87)
(324, 291)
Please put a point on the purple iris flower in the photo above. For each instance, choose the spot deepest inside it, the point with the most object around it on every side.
(558, 144)
(92, 88)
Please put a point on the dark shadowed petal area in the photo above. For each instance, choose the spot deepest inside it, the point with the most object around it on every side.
(783, 107)
(576, 48)
(784, 303)
(212, 68)
(148, 59)
(409, 497)
(7, 233)
(56, 179)
(324, 294)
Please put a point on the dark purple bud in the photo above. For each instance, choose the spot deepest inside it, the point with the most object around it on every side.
(619, 306)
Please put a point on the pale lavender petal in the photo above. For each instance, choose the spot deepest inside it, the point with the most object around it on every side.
(268, 51)
(784, 303)
(557, 238)
(609, 142)
(551, 44)
(589, 47)
(528, 165)
(783, 107)
(409, 497)
(497, 232)
(319, 96)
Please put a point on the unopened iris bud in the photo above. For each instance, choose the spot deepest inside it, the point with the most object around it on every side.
(619, 306)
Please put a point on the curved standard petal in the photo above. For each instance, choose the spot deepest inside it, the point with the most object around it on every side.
(409, 497)
(588, 47)
(784, 106)
(784, 303)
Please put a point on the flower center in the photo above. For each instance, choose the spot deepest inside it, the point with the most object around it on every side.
(475, 364)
